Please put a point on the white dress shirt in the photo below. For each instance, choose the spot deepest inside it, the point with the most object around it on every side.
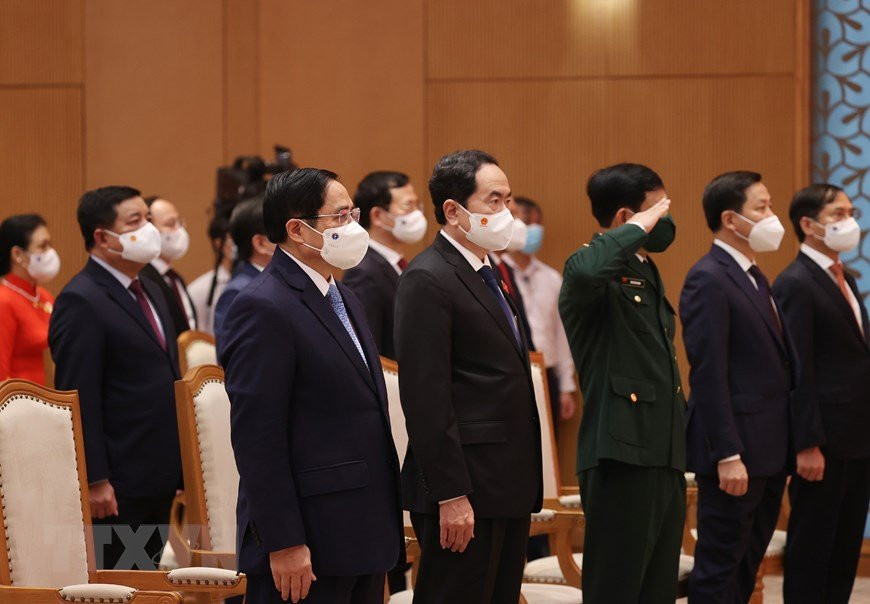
(125, 282)
(539, 286)
(475, 262)
(321, 283)
(198, 291)
(826, 263)
(163, 267)
(389, 254)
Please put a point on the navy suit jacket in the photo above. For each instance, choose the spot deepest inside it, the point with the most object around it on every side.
(104, 347)
(246, 273)
(374, 281)
(310, 429)
(831, 404)
(742, 371)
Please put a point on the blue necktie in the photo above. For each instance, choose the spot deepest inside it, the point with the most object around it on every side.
(341, 313)
(491, 282)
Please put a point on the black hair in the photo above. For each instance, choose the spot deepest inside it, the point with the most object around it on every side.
(620, 186)
(218, 228)
(455, 177)
(373, 191)
(245, 222)
(529, 204)
(16, 231)
(293, 194)
(809, 201)
(726, 192)
(98, 209)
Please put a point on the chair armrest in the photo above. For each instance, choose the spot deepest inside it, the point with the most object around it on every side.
(213, 559)
(48, 595)
(180, 545)
(224, 583)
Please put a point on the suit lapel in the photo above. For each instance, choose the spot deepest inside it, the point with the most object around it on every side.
(385, 266)
(741, 279)
(833, 291)
(479, 290)
(358, 319)
(865, 321)
(644, 270)
(125, 300)
(322, 309)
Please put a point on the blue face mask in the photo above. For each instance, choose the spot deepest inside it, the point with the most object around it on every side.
(534, 239)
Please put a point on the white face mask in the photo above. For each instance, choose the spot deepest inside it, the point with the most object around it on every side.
(492, 232)
(410, 227)
(174, 244)
(344, 246)
(142, 245)
(45, 266)
(841, 236)
(520, 236)
(766, 234)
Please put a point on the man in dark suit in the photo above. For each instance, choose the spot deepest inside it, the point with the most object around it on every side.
(742, 373)
(828, 322)
(472, 474)
(390, 212)
(319, 511)
(255, 252)
(112, 339)
(174, 242)
(631, 447)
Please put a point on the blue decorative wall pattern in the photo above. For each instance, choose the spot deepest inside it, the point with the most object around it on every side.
(841, 119)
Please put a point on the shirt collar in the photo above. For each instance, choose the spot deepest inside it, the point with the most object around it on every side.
(816, 256)
(321, 283)
(20, 283)
(161, 265)
(475, 262)
(741, 259)
(261, 268)
(389, 254)
(121, 277)
(531, 268)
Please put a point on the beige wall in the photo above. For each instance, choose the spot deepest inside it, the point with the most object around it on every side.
(158, 94)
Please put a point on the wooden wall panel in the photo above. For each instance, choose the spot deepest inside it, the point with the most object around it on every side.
(342, 85)
(582, 38)
(154, 104)
(241, 78)
(41, 165)
(40, 42)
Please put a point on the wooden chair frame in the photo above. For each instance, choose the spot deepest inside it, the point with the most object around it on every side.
(189, 526)
(156, 586)
(185, 340)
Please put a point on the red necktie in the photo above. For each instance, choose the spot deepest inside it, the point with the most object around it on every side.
(137, 290)
(837, 269)
(506, 278)
(402, 264)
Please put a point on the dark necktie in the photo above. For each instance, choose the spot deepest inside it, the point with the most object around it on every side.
(402, 264)
(491, 282)
(764, 291)
(175, 282)
(137, 290)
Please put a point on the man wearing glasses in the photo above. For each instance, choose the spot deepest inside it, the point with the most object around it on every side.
(823, 309)
(319, 512)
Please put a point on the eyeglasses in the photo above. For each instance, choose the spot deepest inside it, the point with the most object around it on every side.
(344, 217)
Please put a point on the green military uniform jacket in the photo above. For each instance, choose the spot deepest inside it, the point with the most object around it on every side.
(621, 330)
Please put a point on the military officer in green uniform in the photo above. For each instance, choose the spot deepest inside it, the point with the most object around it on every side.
(631, 450)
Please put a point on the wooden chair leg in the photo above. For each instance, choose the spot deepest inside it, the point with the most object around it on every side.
(758, 593)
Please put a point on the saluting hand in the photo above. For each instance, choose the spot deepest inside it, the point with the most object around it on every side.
(457, 524)
(292, 572)
(733, 478)
(650, 216)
